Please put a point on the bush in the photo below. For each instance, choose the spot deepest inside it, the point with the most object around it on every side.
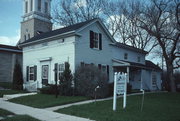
(17, 77)
(129, 88)
(49, 89)
(87, 79)
(65, 87)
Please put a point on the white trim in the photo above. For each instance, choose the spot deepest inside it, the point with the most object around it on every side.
(120, 63)
(71, 32)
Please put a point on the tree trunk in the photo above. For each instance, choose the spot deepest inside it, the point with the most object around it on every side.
(171, 77)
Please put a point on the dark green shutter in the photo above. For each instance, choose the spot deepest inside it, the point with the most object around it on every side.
(91, 39)
(56, 72)
(99, 66)
(100, 41)
(35, 73)
(27, 73)
(108, 72)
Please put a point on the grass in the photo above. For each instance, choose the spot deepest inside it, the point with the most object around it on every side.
(6, 85)
(44, 100)
(5, 114)
(157, 107)
(6, 92)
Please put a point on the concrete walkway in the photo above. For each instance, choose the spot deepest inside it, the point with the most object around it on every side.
(11, 96)
(86, 102)
(41, 114)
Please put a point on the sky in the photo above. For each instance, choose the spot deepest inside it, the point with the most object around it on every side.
(10, 18)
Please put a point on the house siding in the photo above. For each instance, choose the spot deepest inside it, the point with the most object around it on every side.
(7, 63)
(89, 55)
(56, 50)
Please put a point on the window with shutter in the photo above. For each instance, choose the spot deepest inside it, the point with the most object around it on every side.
(95, 40)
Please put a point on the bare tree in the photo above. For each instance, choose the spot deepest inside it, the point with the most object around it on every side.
(160, 20)
(69, 12)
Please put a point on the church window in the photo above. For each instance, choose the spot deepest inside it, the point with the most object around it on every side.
(46, 7)
(26, 6)
(31, 5)
(39, 5)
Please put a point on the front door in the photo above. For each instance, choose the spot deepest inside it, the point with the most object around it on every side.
(45, 73)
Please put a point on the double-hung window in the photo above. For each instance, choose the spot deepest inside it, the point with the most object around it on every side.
(61, 70)
(95, 40)
(31, 73)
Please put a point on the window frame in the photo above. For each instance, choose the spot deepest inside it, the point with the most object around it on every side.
(31, 74)
(61, 68)
(96, 40)
(26, 7)
(154, 79)
(39, 5)
(46, 7)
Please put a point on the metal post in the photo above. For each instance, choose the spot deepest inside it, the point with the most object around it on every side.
(115, 88)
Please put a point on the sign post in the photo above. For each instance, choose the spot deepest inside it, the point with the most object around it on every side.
(115, 95)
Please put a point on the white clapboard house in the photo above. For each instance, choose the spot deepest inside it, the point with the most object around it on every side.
(46, 50)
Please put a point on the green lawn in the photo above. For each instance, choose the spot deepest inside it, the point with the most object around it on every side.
(157, 107)
(6, 92)
(5, 114)
(6, 85)
(43, 100)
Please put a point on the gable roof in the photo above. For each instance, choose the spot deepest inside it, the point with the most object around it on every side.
(9, 48)
(125, 46)
(59, 31)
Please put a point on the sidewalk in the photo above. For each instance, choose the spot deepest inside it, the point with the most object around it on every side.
(85, 102)
(41, 114)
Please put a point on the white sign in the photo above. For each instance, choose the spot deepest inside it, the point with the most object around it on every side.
(120, 84)
(121, 79)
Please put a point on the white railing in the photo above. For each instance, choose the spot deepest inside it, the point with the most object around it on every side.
(30, 86)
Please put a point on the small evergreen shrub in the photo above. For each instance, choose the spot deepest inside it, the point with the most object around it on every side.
(17, 77)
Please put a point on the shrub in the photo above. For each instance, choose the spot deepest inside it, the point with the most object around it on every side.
(65, 86)
(49, 89)
(87, 79)
(17, 77)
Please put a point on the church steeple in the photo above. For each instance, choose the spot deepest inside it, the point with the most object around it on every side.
(36, 18)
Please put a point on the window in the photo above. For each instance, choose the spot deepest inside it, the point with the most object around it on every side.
(45, 69)
(61, 70)
(46, 7)
(24, 37)
(138, 59)
(26, 6)
(31, 5)
(103, 68)
(125, 56)
(154, 79)
(28, 36)
(31, 73)
(95, 40)
(39, 5)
